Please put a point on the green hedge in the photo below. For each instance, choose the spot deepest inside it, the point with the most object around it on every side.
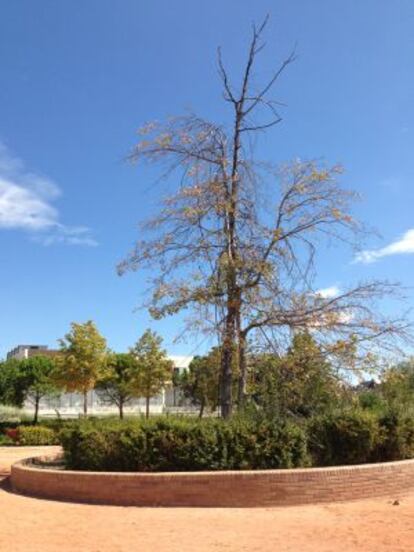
(397, 437)
(349, 437)
(6, 441)
(37, 436)
(174, 444)
(360, 436)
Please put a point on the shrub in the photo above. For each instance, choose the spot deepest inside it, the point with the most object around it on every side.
(36, 436)
(397, 441)
(371, 400)
(6, 441)
(12, 433)
(179, 444)
(347, 437)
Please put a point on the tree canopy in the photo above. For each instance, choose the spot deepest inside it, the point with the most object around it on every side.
(119, 384)
(82, 359)
(200, 382)
(154, 367)
(30, 380)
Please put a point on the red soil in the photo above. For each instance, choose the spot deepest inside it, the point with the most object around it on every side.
(34, 525)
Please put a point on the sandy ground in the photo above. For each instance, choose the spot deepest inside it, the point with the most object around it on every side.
(34, 525)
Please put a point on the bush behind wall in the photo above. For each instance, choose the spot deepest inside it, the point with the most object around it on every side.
(174, 444)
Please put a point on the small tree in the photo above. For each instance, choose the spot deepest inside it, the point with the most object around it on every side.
(12, 384)
(200, 383)
(82, 359)
(30, 380)
(154, 368)
(397, 385)
(37, 374)
(300, 383)
(119, 384)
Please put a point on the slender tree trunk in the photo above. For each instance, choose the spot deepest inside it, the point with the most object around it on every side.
(121, 409)
(147, 407)
(227, 364)
(243, 370)
(233, 293)
(85, 403)
(36, 411)
(202, 406)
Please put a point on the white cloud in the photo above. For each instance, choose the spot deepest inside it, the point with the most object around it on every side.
(405, 245)
(329, 292)
(26, 204)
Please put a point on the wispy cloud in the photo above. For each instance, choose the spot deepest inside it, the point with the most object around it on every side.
(402, 246)
(329, 292)
(26, 203)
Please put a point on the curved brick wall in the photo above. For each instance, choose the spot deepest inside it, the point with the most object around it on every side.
(231, 489)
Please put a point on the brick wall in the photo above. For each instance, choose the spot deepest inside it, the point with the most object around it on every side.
(230, 489)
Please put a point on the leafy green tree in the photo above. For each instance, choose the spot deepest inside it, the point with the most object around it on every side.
(154, 368)
(82, 359)
(300, 383)
(38, 380)
(397, 386)
(29, 380)
(118, 385)
(200, 383)
(12, 384)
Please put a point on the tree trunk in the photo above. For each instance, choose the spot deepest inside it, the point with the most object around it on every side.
(233, 293)
(121, 409)
(147, 407)
(36, 411)
(202, 406)
(227, 363)
(85, 403)
(242, 371)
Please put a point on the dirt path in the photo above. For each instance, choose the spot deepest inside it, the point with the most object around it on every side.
(33, 525)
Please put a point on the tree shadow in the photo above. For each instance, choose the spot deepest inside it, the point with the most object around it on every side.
(5, 482)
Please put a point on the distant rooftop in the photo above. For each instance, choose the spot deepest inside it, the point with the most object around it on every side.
(24, 351)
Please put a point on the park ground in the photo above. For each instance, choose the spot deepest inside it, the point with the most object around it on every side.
(36, 525)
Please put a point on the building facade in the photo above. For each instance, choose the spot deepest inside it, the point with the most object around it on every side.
(26, 351)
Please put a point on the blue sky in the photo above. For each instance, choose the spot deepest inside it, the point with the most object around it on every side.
(77, 80)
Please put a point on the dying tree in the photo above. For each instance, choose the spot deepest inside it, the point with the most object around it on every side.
(236, 242)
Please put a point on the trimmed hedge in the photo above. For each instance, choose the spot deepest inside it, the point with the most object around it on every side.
(37, 436)
(174, 444)
(360, 436)
(28, 435)
(6, 441)
(397, 442)
(349, 437)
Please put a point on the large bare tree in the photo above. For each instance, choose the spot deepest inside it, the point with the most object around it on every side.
(237, 241)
